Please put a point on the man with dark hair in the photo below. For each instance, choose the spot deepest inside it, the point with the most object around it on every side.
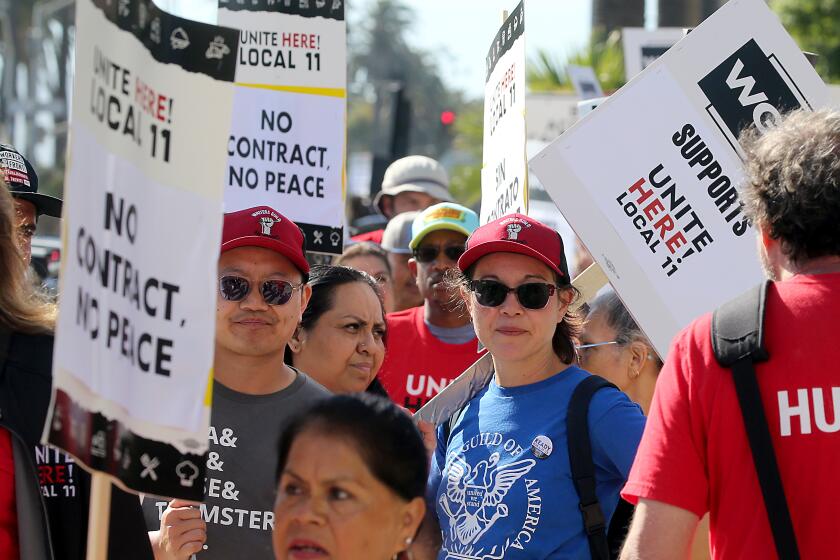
(696, 454)
(22, 181)
(262, 294)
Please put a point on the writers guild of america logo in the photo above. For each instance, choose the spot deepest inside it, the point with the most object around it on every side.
(513, 231)
(474, 501)
(266, 223)
(749, 88)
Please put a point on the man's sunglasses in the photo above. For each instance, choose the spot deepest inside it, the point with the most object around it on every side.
(533, 295)
(274, 292)
(428, 253)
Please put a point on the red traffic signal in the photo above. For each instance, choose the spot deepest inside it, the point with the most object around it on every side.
(447, 118)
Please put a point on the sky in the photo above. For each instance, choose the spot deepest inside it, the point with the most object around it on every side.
(458, 32)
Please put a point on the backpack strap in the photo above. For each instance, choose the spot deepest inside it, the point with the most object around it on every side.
(582, 466)
(738, 344)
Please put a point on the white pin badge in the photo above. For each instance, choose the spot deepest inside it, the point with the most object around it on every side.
(541, 447)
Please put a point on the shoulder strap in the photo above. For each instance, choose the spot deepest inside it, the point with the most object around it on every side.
(738, 343)
(583, 468)
(738, 328)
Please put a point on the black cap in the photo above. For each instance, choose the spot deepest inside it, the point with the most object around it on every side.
(22, 181)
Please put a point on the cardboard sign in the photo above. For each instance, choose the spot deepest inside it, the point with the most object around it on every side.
(585, 81)
(142, 226)
(504, 172)
(287, 140)
(649, 180)
(643, 46)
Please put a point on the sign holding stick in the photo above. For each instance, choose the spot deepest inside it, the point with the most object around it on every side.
(504, 173)
(661, 213)
(142, 223)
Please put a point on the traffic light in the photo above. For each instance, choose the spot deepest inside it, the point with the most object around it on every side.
(447, 118)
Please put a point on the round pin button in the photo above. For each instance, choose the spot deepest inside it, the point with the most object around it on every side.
(541, 447)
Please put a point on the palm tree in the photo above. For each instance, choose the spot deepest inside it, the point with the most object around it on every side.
(603, 54)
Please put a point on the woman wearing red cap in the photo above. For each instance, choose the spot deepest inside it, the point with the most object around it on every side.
(501, 479)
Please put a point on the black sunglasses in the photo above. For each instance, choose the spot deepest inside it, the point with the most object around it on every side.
(533, 295)
(428, 253)
(274, 292)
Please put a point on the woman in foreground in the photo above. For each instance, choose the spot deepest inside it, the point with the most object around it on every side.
(352, 473)
(501, 480)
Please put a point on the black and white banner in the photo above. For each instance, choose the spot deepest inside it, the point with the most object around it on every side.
(504, 173)
(142, 225)
(287, 141)
(650, 180)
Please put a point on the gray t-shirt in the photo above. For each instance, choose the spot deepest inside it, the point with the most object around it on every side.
(241, 467)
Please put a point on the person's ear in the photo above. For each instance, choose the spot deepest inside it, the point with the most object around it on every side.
(410, 519)
(564, 300)
(297, 340)
(412, 267)
(386, 204)
(638, 358)
(305, 296)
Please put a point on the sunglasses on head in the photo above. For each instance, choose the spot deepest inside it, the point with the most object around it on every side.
(532, 295)
(428, 253)
(274, 292)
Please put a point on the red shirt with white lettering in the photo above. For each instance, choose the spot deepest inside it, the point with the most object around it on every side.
(417, 364)
(695, 455)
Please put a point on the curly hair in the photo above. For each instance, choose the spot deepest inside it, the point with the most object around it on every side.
(792, 185)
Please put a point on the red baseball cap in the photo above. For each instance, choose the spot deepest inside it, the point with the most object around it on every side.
(517, 233)
(265, 227)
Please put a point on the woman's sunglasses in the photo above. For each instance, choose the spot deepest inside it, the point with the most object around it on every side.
(274, 292)
(428, 253)
(533, 295)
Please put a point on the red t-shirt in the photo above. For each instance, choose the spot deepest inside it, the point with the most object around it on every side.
(695, 455)
(8, 509)
(418, 365)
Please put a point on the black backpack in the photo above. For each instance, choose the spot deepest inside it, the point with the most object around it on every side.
(738, 344)
(580, 460)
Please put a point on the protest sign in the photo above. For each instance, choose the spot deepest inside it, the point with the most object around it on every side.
(504, 172)
(649, 180)
(585, 81)
(643, 46)
(287, 140)
(142, 226)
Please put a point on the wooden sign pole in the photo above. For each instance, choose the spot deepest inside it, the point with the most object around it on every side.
(98, 517)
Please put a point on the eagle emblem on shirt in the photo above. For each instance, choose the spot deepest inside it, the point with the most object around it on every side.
(474, 496)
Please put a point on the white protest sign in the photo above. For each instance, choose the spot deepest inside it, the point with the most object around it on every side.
(648, 181)
(287, 141)
(504, 172)
(585, 81)
(142, 226)
(643, 46)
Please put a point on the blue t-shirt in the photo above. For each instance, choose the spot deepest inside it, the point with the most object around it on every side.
(503, 487)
